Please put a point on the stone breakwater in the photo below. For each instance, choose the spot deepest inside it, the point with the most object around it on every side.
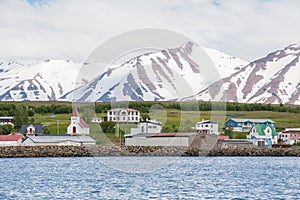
(75, 151)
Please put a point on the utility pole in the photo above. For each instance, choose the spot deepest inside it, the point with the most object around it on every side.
(57, 126)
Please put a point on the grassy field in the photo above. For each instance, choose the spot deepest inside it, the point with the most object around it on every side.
(172, 119)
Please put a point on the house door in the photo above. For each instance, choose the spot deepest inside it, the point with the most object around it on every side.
(74, 129)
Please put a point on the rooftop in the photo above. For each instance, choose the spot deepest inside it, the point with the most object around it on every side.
(59, 138)
(15, 137)
(251, 120)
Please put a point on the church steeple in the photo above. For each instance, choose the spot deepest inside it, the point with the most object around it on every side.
(77, 126)
(75, 112)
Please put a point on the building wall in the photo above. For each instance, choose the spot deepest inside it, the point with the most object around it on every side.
(145, 127)
(234, 145)
(9, 143)
(210, 128)
(158, 141)
(7, 120)
(123, 115)
(79, 130)
(29, 142)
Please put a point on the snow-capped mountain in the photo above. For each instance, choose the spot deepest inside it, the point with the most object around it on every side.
(272, 79)
(170, 74)
(39, 81)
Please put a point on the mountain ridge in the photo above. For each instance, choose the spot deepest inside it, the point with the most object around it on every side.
(166, 75)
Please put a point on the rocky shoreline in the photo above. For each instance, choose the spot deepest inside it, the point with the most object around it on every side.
(76, 151)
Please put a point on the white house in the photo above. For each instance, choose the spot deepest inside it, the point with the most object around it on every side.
(244, 125)
(148, 133)
(290, 136)
(7, 120)
(96, 120)
(147, 127)
(207, 127)
(123, 115)
(11, 140)
(78, 126)
(31, 129)
(263, 135)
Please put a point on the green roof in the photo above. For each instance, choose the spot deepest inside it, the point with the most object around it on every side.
(261, 127)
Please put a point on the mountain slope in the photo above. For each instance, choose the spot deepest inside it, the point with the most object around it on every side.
(272, 79)
(170, 74)
(47, 80)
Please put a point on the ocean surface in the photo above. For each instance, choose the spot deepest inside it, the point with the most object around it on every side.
(150, 178)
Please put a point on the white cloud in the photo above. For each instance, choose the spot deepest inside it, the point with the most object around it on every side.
(71, 29)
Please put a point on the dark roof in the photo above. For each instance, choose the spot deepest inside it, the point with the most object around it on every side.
(235, 141)
(38, 128)
(251, 120)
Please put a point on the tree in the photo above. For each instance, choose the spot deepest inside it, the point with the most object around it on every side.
(5, 129)
(227, 131)
(20, 116)
(46, 130)
(108, 127)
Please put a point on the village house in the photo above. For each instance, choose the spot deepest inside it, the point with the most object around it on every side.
(7, 120)
(289, 136)
(148, 133)
(123, 115)
(77, 126)
(244, 125)
(96, 120)
(162, 139)
(59, 140)
(31, 129)
(11, 140)
(207, 127)
(147, 127)
(263, 135)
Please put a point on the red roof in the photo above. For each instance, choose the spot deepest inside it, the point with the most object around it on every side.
(11, 137)
(173, 135)
(83, 124)
(75, 112)
(223, 137)
(128, 109)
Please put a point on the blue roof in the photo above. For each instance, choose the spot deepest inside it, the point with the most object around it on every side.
(243, 120)
(38, 128)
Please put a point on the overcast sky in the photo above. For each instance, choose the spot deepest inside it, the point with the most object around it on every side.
(72, 29)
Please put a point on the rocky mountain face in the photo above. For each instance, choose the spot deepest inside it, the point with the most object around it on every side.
(272, 79)
(38, 81)
(167, 75)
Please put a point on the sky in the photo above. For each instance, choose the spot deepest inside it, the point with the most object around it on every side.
(72, 29)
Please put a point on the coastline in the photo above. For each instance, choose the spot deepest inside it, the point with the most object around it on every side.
(81, 151)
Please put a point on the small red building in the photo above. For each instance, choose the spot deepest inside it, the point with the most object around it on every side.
(11, 140)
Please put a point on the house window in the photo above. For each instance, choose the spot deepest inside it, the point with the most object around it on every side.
(136, 119)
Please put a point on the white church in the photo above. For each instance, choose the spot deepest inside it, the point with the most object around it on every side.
(78, 126)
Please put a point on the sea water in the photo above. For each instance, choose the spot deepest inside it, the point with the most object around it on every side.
(170, 178)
